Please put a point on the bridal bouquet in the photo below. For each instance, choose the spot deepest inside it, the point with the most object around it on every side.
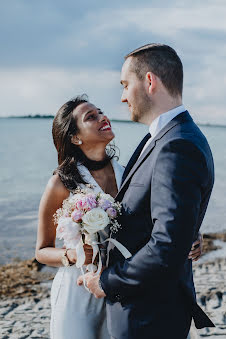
(81, 217)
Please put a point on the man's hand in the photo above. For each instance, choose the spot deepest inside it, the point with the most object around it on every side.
(92, 282)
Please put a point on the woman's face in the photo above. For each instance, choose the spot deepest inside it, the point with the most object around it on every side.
(93, 125)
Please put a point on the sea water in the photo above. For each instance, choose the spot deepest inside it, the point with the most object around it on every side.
(28, 158)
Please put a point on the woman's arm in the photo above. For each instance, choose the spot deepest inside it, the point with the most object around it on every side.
(51, 200)
(46, 253)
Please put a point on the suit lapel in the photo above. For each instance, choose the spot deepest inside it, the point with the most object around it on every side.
(182, 117)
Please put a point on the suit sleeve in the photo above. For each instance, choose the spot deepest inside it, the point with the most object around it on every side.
(179, 175)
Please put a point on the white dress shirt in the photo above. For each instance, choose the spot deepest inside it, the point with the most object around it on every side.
(161, 121)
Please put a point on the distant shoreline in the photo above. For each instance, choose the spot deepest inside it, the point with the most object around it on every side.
(39, 116)
(36, 116)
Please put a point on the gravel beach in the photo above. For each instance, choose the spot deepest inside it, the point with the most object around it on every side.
(25, 298)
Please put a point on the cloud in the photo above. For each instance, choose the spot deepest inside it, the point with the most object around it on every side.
(31, 91)
(173, 20)
(52, 33)
(53, 50)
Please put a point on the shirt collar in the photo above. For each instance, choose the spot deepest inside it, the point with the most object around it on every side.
(163, 119)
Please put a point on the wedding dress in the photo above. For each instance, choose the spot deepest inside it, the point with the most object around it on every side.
(77, 314)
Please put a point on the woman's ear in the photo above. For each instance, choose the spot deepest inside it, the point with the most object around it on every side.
(75, 140)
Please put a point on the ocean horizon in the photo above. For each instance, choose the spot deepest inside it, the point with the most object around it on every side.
(50, 116)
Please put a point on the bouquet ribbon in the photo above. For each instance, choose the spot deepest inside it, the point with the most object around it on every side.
(92, 242)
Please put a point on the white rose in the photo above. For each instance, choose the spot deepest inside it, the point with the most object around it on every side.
(95, 220)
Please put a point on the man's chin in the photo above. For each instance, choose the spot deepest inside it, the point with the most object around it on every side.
(134, 117)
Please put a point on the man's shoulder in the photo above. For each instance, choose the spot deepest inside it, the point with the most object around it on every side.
(188, 131)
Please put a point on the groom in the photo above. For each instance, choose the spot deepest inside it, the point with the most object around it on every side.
(165, 192)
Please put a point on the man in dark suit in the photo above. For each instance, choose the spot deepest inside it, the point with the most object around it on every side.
(165, 192)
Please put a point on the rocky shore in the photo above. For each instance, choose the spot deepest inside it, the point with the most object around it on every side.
(24, 300)
(208, 241)
(25, 296)
(210, 283)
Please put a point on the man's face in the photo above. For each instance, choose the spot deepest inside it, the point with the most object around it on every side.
(134, 92)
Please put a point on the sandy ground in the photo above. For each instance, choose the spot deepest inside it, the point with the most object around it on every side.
(25, 298)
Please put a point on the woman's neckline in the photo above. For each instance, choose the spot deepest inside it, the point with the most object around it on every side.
(113, 163)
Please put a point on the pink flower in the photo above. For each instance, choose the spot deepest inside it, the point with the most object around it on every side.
(78, 204)
(104, 203)
(112, 213)
(77, 215)
(86, 203)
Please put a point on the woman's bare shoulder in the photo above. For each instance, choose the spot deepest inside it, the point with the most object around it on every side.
(56, 187)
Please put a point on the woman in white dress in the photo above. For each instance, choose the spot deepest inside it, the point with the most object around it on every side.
(81, 133)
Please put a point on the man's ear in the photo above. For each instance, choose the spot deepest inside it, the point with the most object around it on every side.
(151, 80)
(75, 140)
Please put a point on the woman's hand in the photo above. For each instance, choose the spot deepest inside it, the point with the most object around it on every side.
(196, 250)
(72, 255)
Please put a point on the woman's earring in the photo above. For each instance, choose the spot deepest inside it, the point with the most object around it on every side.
(76, 141)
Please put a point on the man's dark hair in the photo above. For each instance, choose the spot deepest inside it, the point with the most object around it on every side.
(163, 61)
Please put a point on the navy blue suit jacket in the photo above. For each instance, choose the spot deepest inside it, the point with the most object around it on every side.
(164, 198)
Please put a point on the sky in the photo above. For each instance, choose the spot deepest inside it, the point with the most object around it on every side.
(52, 50)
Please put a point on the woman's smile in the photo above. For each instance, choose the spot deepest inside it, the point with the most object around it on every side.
(106, 127)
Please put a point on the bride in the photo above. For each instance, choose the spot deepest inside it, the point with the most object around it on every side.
(81, 133)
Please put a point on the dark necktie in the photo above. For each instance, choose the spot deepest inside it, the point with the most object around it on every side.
(135, 156)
